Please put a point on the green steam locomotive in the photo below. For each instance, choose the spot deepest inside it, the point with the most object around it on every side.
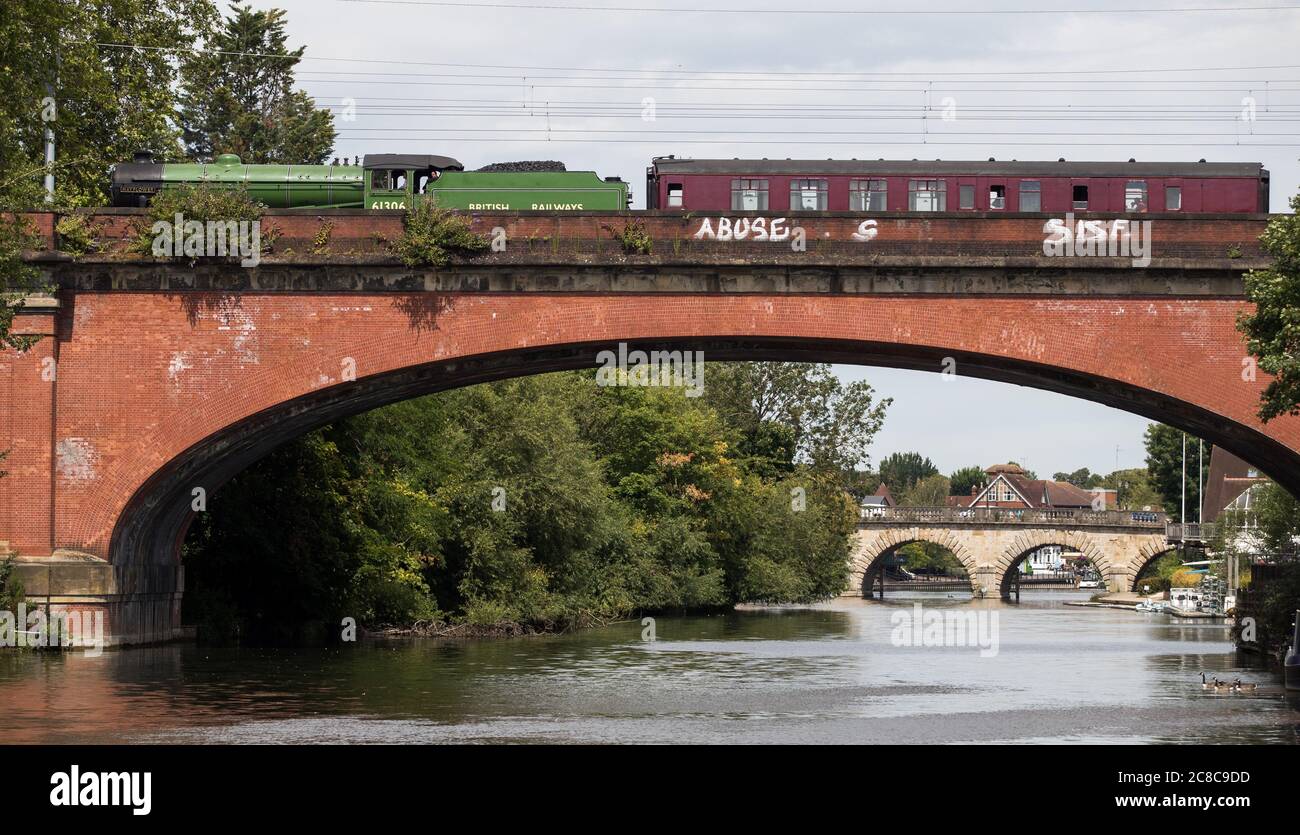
(382, 181)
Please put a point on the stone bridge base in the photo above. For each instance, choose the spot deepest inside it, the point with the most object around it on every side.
(77, 583)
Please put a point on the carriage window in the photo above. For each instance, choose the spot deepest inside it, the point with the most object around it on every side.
(1081, 198)
(808, 195)
(927, 195)
(1031, 196)
(965, 197)
(868, 195)
(674, 195)
(380, 181)
(749, 195)
(997, 197)
(1173, 198)
(1135, 196)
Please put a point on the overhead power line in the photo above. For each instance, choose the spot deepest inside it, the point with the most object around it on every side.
(718, 10)
(921, 74)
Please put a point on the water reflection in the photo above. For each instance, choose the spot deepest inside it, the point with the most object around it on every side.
(828, 673)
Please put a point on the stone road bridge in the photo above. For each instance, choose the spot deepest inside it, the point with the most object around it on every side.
(991, 542)
(156, 380)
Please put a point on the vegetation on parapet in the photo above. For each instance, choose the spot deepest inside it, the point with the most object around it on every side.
(200, 204)
(431, 236)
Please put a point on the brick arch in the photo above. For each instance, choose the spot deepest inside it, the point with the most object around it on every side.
(203, 384)
(1035, 538)
(880, 544)
(192, 389)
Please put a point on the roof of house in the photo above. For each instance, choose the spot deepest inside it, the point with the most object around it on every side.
(1037, 493)
(1228, 478)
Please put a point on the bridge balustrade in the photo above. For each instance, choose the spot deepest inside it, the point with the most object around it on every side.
(1015, 516)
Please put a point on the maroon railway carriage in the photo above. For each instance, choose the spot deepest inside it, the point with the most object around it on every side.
(794, 185)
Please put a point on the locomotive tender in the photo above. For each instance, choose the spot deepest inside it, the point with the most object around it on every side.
(749, 185)
(382, 181)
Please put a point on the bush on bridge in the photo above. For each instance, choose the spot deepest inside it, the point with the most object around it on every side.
(432, 235)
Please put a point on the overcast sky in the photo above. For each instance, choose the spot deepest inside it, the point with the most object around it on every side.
(494, 83)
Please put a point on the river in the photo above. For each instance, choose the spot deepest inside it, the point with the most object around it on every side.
(831, 673)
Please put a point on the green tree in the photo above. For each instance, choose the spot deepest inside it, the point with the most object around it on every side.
(1133, 490)
(104, 102)
(544, 502)
(1164, 446)
(931, 491)
(1082, 477)
(831, 425)
(237, 96)
(101, 102)
(961, 481)
(1272, 329)
(901, 470)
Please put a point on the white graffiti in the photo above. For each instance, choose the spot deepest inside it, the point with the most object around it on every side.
(1119, 237)
(760, 229)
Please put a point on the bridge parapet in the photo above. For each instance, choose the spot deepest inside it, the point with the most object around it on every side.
(981, 516)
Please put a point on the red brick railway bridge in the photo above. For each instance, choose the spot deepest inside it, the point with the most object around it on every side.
(157, 378)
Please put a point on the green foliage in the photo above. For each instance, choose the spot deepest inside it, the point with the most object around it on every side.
(1133, 489)
(796, 413)
(237, 96)
(1273, 329)
(11, 588)
(612, 500)
(199, 203)
(1164, 445)
(17, 277)
(633, 238)
(77, 236)
(107, 102)
(1082, 477)
(901, 470)
(931, 491)
(961, 481)
(320, 242)
(1160, 573)
(432, 235)
(931, 558)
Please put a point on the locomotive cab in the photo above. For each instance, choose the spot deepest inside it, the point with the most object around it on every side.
(397, 181)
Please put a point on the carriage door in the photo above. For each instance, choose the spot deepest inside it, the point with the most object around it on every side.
(389, 188)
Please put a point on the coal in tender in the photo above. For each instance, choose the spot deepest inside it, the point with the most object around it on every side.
(523, 166)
